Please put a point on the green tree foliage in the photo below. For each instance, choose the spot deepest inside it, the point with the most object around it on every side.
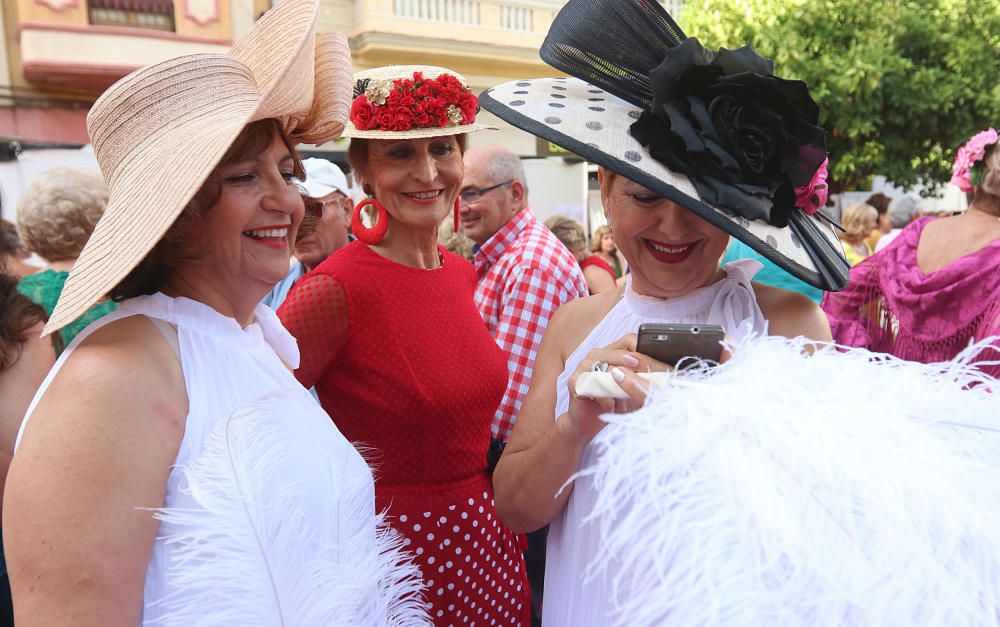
(900, 83)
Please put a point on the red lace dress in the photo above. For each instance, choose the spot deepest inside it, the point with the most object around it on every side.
(402, 361)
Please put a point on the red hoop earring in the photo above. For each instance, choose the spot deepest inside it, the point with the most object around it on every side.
(373, 234)
(458, 205)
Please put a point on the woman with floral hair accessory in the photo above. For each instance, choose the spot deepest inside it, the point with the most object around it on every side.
(170, 470)
(397, 351)
(724, 493)
(935, 288)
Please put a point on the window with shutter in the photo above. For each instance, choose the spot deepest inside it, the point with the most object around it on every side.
(149, 14)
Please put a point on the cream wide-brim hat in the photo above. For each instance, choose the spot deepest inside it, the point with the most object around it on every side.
(160, 131)
(396, 72)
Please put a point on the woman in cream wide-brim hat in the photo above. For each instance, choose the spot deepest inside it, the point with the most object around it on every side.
(395, 346)
(171, 471)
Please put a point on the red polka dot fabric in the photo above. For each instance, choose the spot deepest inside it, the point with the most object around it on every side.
(403, 363)
(471, 563)
(315, 312)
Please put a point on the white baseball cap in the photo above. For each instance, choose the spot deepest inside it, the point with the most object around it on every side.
(322, 178)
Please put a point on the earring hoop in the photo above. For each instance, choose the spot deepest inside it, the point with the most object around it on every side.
(370, 235)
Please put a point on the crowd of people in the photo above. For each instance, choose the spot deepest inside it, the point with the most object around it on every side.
(235, 395)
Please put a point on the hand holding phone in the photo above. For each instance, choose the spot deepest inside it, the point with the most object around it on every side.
(681, 345)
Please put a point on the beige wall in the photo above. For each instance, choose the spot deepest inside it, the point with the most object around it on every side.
(482, 21)
(54, 51)
(242, 15)
(35, 11)
(4, 57)
(75, 47)
(202, 18)
(12, 19)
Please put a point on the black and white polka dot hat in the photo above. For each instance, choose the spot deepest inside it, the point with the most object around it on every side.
(617, 52)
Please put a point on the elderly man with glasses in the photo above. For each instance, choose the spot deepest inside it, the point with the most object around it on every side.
(524, 272)
(524, 275)
(328, 198)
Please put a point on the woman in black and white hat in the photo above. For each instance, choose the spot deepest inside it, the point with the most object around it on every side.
(694, 147)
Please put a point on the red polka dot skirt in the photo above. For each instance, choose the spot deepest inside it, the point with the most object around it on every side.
(471, 564)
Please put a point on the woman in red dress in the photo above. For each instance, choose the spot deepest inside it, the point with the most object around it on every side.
(392, 341)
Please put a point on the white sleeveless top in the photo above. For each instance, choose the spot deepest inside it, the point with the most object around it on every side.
(572, 599)
(269, 516)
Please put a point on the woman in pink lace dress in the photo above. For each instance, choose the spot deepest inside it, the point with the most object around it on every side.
(936, 288)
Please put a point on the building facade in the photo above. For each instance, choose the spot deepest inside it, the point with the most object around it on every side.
(59, 55)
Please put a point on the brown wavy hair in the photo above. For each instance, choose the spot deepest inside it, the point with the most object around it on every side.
(10, 243)
(17, 316)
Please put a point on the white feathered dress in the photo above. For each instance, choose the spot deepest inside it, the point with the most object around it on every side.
(837, 489)
(269, 513)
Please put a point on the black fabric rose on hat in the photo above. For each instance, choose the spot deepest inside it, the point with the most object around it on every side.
(745, 138)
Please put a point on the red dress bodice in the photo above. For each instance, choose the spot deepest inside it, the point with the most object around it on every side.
(418, 372)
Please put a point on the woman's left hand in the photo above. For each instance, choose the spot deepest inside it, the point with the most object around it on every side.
(625, 363)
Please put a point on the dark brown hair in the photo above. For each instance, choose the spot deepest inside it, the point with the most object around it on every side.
(17, 316)
(177, 248)
(357, 155)
(10, 243)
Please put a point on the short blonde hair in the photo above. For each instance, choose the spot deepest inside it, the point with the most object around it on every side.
(567, 231)
(595, 242)
(59, 210)
(855, 220)
(453, 241)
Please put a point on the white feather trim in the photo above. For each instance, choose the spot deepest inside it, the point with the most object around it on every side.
(285, 532)
(778, 489)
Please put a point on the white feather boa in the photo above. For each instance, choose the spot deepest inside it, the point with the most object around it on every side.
(780, 489)
(281, 535)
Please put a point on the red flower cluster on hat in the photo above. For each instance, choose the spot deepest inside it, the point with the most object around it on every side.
(404, 104)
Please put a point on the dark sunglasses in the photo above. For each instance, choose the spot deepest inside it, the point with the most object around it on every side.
(316, 208)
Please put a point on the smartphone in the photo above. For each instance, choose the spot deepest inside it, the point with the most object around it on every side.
(680, 345)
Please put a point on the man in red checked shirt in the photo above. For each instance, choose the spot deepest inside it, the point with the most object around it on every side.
(524, 275)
